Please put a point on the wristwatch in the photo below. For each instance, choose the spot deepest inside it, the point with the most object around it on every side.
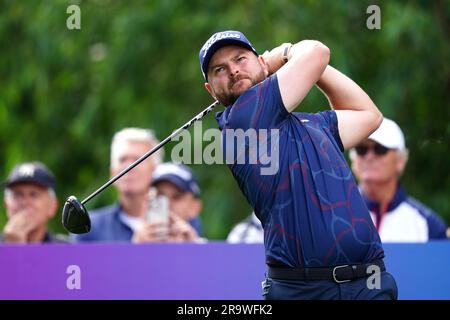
(286, 50)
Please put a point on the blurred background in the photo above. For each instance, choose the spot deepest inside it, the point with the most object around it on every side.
(63, 93)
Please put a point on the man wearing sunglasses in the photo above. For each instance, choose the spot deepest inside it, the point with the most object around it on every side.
(378, 163)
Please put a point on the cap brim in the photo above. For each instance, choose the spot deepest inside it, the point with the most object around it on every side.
(9, 184)
(180, 184)
(385, 144)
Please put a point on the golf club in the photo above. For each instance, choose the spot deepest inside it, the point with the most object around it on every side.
(75, 217)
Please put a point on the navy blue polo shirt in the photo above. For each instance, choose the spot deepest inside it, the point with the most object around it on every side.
(311, 209)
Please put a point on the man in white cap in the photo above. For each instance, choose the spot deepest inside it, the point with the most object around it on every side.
(378, 163)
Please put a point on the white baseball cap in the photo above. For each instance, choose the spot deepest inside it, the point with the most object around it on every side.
(389, 135)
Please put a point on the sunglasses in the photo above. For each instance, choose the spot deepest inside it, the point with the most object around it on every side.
(378, 149)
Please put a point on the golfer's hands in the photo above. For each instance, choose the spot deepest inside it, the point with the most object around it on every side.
(19, 226)
(274, 58)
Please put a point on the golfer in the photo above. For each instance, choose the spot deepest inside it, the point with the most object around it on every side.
(320, 242)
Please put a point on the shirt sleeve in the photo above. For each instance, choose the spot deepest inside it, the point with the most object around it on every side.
(329, 121)
(436, 227)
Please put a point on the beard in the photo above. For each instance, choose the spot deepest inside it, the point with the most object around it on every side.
(230, 96)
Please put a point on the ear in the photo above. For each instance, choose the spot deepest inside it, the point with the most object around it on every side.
(353, 160)
(402, 159)
(264, 65)
(53, 207)
(112, 171)
(195, 208)
(210, 90)
(8, 208)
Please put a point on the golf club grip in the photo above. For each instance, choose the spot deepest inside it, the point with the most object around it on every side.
(152, 151)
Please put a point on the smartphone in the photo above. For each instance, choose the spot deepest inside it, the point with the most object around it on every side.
(158, 209)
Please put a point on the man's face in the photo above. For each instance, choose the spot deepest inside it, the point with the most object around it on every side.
(183, 204)
(232, 70)
(373, 163)
(32, 200)
(137, 180)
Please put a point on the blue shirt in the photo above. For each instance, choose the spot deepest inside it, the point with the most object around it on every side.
(106, 225)
(311, 209)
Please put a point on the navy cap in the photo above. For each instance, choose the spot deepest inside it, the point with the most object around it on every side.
(217, 41)
(31, 172)
(178, 174)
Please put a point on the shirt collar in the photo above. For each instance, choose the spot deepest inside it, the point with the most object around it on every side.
(131, 222)
(399, 196)
(222, 117)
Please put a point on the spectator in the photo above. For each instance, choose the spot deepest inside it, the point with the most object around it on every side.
(249, 230)
(178, 184)
(378, 163)
(119, 221)
(30, 203)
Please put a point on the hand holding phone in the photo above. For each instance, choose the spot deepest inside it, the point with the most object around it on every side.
(158, 213)
(158, 209)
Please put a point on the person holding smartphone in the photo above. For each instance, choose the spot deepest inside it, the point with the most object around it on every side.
(174, 207)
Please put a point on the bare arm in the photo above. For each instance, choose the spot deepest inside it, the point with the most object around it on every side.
(357, 115)
(306, 62)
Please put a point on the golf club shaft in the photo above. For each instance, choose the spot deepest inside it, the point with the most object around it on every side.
(152, 151)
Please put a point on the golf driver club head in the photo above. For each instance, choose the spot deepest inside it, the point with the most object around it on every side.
(75, 217)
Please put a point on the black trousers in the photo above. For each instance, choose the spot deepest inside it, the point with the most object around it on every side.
(384, 288)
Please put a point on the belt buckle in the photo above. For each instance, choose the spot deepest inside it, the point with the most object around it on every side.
(334, 274)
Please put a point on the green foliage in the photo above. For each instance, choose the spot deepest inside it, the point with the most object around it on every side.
(65, 92)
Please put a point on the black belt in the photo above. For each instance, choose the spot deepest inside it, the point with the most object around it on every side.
(338, 274)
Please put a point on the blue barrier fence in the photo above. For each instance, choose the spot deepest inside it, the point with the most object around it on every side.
(216, 270)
